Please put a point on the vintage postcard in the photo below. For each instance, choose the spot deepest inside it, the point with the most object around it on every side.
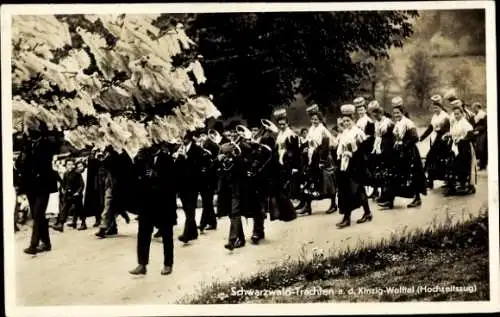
(250, 159)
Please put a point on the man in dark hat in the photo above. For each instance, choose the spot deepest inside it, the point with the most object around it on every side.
(187, 160)
(156, 204)
(37, 179)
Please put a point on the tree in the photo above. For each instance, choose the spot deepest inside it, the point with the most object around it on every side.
(254, 59)
(107, 79)
(461, 80)
(421, 77)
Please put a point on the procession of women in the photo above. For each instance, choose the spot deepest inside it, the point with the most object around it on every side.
(262, 171)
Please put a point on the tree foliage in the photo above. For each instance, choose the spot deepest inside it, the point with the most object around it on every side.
(257, 61)
(421, 77)
(461, 80)
(107, 79)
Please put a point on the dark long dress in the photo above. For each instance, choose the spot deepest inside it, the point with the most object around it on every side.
(440, 157)
(273, 182)
(351, 182)
(408, 177)
(481, 142)
(323, 170)
(291, 161)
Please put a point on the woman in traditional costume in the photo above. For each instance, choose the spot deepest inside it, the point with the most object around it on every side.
(439, 157)
(464, 169)
(382, 151)
(407, 175)
(352, 174)
(366, 124)
(319, 184)
(480, 135)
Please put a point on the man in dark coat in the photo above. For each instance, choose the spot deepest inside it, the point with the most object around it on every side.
(94, 191)
(37, 179)
(187, 160)
(156, 205)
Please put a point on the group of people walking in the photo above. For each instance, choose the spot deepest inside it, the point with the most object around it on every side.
(258, 170)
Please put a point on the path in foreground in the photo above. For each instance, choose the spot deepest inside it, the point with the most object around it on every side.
(83, 270)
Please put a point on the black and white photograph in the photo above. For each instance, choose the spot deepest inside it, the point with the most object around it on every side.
(214, 159)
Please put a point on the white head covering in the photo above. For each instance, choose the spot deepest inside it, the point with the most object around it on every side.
(397, 101)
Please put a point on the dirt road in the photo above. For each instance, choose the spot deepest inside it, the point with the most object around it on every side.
(83, 270)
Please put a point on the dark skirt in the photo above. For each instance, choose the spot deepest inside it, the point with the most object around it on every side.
(439, 159)
(279, 207)
(351, 192)
(381, 172)
(407, 175)
(463, 171)
(481, 147)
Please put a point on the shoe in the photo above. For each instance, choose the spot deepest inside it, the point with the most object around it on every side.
(415, 203)
(126, 217)
(183, 239)
(301, 205)
(343, 224)
(139, 270)
(101, 233)
(30, 250)
(211, 227)
(306, 210)
(112, 231)
(44, 248)
(72, 225)
(96, 224)
(201, 227)
(430, 184)
(167, 270)
(333, 208)
(386, 205)
(58, 227)
(82, 227)
(256, 238)
(231, 245)
(157, 234)
(365, 218)
(16, 229)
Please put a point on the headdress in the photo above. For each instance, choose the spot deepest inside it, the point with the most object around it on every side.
(457, 104)
(450, 95)
(437, 99)
(359, 102)
(347, 110)
(279, 114)
(397, 102)
(314, 109)
(374, 105)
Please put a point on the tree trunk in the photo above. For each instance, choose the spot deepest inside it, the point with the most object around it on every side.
(374, 84)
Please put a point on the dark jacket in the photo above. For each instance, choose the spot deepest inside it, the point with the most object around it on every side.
(72, 184)
(188, 169)
(34, 165)
(155, 185)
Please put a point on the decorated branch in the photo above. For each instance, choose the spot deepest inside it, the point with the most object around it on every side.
(107, 79)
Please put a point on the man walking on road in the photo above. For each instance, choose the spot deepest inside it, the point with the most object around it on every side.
(156, 204)
(38, 179)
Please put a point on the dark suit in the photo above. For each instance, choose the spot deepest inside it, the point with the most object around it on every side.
(38, 180)
(188, 175)
(156, 202)
(208, 184)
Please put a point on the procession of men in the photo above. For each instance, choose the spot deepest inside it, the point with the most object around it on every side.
(251, 171)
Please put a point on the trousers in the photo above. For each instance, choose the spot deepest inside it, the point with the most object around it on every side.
(146, 227)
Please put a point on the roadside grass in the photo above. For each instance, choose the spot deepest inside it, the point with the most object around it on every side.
(447, 254)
